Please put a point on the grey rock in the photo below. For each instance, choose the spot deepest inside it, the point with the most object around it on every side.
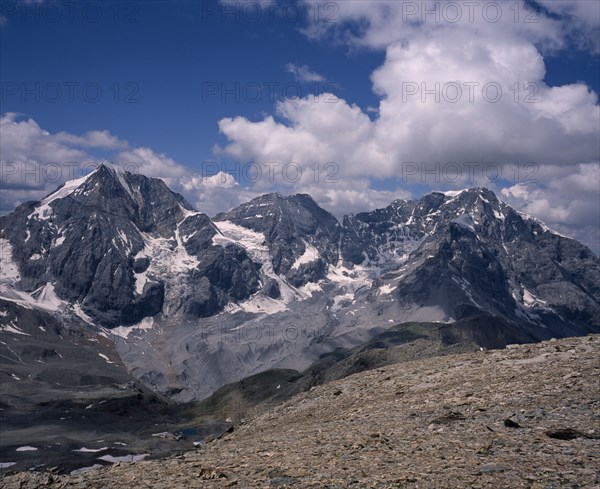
(85, 241)
(271, 289)
(471, 253)
(289, 224)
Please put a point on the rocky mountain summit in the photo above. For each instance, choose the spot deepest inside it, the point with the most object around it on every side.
(466, 250)
(303, 239)
(191, 303)
(110, 243)
(527, 416)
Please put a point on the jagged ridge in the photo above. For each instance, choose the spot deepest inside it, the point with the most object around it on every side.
(279, 281)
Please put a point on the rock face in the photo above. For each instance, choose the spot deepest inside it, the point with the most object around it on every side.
(384, 236)
(436, 422)
(278, 281)
(468, 251)
(302, 238)
(111, 241)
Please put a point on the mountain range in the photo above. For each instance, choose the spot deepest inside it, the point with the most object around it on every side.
(186, 303)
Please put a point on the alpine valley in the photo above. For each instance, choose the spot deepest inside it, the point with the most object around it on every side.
(119, 300)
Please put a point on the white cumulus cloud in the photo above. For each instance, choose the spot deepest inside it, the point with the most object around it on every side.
(303, 73)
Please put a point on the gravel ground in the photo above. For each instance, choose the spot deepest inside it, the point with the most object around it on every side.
(524, 417)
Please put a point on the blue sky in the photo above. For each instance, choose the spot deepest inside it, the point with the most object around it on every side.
(163, 67)
(170, 74)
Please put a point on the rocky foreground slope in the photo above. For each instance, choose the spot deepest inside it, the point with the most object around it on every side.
(527, 416)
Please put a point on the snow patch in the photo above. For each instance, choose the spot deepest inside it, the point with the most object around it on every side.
(46, 298)
(43, 297)
(125, 331)
(124, 458)
(11, 328)
(90, 450)
(125, 240)
(141, 279)
(187, 213)
(253, 242)
(311, 287)
(352, 278)
(44, 210)
(386, 289)
(454, 193)
(499, 215)
(164, 259)
(310, 254)
(79, 312)
(102, 355)
(530, 300)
